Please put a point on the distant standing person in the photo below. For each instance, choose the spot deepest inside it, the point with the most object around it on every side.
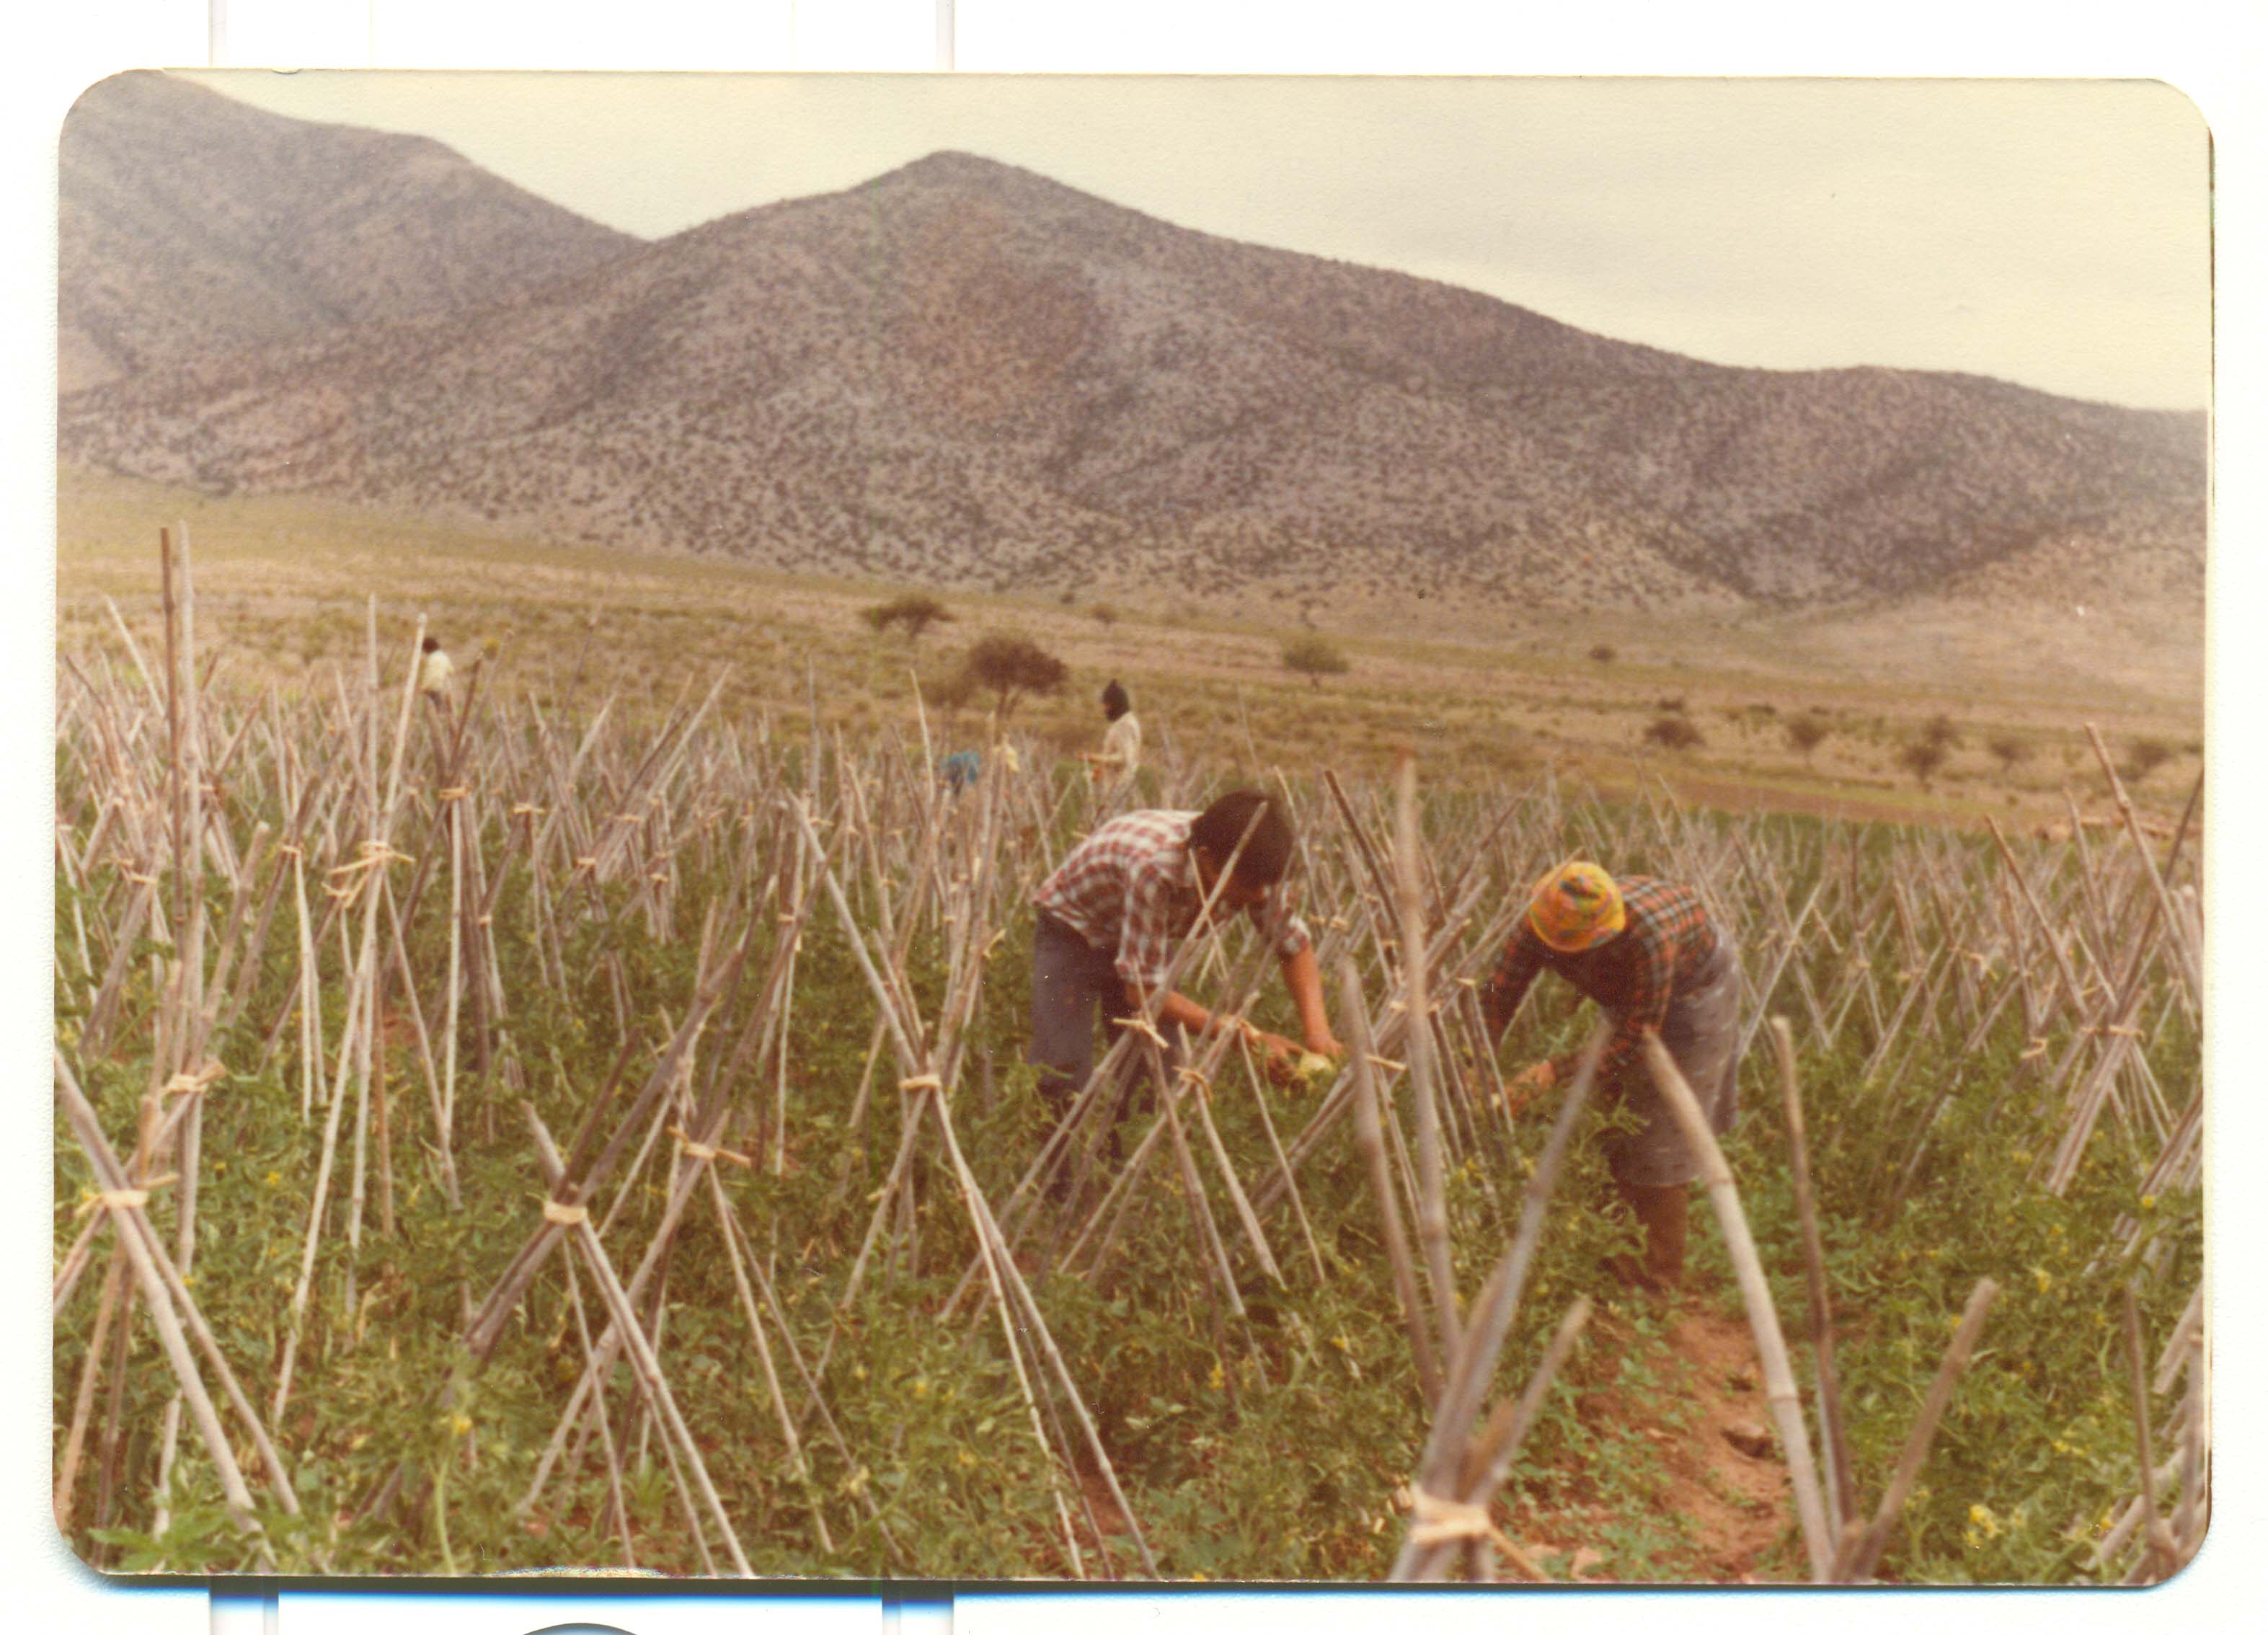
(1112, 915)
(1112, 769)
(1645, 952)
(433, 672)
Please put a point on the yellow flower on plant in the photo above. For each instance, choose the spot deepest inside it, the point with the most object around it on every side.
(459, 1424)
(274, 1177)
(2149, 1200)
(1982, 1516)
(2040, 1277)
(965, 1460)
(919, 1387)
(1216, 1379)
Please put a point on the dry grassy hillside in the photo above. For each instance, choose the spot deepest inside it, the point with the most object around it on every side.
(964, 374)
(194, 225)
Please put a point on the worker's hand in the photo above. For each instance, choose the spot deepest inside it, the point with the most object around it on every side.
(1321, 1042)
(1524, 1087)
(1279, 1057)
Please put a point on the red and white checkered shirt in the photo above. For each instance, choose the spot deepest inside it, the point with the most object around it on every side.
(1131, 885)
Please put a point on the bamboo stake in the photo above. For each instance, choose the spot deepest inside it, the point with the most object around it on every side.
(1755, 1293)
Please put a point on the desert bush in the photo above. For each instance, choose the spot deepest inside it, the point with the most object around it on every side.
(1602, 654)
(1673, 732)
(2145, 755)
(1940, 731)
(1009, 667)
(1103, 613)
(1314, 657)
(1923, 757)
(1805, 733)
(913, 613)
(2009, 749)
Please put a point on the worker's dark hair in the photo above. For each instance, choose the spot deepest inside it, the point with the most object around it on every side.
(1115, 702)
(1267, 855)
(432, 644)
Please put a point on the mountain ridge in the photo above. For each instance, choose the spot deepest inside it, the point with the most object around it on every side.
(963, 373)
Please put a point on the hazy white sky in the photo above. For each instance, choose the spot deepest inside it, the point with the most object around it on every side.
(2055, 233)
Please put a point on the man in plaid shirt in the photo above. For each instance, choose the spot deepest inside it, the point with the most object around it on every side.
(1111, 916)
(1644, 951)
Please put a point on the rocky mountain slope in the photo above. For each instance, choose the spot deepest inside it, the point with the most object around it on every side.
(963, 374)
(193, 224)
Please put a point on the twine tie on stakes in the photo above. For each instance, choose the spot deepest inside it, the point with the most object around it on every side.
(455, 791)
(1144, 1026)
(1190, 1076)
(702, 1149)
(196, 1083)
(121, 1197)
(1440, 1520)
(285, 849)
(565, 1214)
(140, 880)
(1385, 1066)
(628, 817)
(921, 1081)
(2038, 1046)
(521, 808)
(591, 863)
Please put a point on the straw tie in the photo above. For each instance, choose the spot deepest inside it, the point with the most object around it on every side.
(702, 1149)
(121, 1197)
(920, 1082)
(565, 1214)
(196, 1083)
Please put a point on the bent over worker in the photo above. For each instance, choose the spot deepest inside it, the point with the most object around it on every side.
(1112, 915)
(1645, 952)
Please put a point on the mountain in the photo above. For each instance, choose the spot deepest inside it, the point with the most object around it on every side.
(964, 374)
(193, 224)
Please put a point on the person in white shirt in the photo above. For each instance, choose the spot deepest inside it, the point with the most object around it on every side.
(433, 672)
(1112, 769)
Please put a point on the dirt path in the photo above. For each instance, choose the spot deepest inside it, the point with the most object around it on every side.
(1721, 1483)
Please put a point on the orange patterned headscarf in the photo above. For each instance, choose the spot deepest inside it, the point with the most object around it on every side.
(1576, 906)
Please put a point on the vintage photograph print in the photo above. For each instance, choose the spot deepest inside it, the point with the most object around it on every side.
(1105, 830)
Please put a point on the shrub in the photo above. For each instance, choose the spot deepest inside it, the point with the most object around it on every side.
(1940, 731)
(1674, 732)
(2145, 755)
(1012, 666)
(1602, 654)
(1103, 613)
(914, 613)
(1923, 757)
(1805, 733)
(1314, 657)
(2009, 749)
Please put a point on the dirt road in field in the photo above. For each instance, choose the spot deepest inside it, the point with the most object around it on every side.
(1718, 1480)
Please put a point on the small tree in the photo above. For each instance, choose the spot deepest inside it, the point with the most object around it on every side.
(914, 613)
(1922, 757)
(2009, 750)
(1805, 733)
(1674, 732)
(1315, 658)
(2145, 755)
(1103, 613)
(1011, 665)
(1940, 731)
(1602, 654)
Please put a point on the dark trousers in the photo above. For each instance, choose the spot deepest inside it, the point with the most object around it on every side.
(1071, 983)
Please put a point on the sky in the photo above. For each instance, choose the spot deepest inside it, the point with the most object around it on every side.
(2055, 233)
